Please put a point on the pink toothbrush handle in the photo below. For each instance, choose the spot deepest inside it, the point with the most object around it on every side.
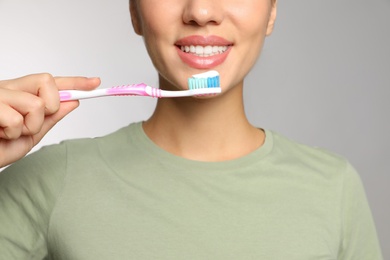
(126, 90)
(136, 90)
(65, 95)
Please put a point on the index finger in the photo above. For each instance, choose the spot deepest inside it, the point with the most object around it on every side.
(46, 86)
(77, 83)
(32, 83)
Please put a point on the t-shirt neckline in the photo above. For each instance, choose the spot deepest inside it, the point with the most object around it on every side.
(139, 136)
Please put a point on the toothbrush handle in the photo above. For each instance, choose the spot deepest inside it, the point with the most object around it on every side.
(133, 90)
(68, 95)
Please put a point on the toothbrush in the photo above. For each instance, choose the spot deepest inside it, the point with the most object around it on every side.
(199, 85)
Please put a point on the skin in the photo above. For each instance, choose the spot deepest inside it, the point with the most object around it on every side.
(207, 129)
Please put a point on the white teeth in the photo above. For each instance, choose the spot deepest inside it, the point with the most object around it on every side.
(204, 51)
(208, 50)
(199, 50)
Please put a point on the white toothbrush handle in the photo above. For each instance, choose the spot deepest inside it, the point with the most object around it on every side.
(67, 95)
(207, 83)
(135, 90)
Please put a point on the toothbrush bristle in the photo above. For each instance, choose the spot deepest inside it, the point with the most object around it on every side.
(194, 83)
(213, 82)
(208, 79)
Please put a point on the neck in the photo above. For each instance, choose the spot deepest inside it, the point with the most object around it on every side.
(206, 129)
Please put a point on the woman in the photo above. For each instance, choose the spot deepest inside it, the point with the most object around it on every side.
(194, 181)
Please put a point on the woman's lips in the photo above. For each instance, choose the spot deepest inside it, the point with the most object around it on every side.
(199, 62)
(203, 52)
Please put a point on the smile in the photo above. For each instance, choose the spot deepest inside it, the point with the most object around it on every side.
(204, 51)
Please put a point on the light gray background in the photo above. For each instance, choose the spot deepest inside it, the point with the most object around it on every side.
(323, 79)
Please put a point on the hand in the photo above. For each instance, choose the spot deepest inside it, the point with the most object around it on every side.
(30, 107)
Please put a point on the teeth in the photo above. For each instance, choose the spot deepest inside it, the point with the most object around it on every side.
(204, 51)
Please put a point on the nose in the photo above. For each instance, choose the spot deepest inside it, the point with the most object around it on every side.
(202, 12)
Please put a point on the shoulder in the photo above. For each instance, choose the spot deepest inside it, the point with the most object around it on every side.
(49, 164)
(309, 158)
(109, 141)
(40, 167)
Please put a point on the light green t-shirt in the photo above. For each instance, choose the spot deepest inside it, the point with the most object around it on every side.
(122, 197)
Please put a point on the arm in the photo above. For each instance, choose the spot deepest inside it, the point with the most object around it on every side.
(28, 193)
(359, 238)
